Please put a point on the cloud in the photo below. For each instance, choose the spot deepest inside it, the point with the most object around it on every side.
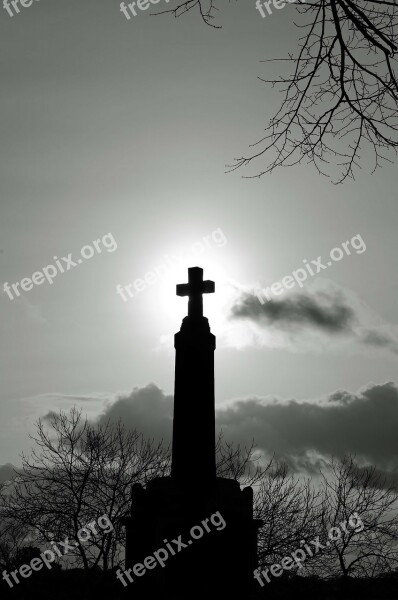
(380, 340)
(6, 472)
(75, 399)
(328, 312)
(382, 478)
(52, 403)
(304, 434)
(147, 409)
(323, 316)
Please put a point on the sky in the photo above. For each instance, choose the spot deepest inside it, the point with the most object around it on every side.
(118, 132)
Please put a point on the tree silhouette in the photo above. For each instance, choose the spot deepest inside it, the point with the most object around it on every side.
(78, 473)
(14, 537)
(371, 549)
(339, 90)
(289, 508)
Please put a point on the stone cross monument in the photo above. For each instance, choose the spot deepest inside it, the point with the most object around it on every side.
(194, 420)
(174, 515)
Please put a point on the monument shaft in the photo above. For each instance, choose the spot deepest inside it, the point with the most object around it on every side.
(194, 420)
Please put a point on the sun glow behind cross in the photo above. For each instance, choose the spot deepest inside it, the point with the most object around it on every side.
(175, 308)
(160, 307)
(216, 307)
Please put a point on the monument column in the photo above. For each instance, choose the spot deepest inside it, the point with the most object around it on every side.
(220, 562)
(193, 457)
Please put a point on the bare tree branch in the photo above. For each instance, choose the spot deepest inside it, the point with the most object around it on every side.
(339, 91)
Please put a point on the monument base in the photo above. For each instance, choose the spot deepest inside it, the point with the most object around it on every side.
(202, 541)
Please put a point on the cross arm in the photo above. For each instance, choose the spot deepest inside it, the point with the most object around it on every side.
(183, 289)
(205, 287)
(208, 287)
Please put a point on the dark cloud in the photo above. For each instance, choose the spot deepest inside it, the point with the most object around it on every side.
(48, 417)
(325, 311)
(146, 409)
(320, 313)
(6, 472)
(380, 340)
(364, 424)
(302, 433)
(381, 478)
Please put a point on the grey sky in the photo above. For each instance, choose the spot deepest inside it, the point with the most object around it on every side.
(125, 127)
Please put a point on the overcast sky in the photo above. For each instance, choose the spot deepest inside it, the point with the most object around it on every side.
(119, 131)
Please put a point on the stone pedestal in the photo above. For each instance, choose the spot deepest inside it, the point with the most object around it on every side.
(219, 562)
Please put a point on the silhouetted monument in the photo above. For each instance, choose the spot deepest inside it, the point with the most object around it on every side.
(194, 410)
(221, 559)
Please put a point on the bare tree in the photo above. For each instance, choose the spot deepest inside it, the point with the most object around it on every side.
(363, 507)
(339, 90)
(206, 8)
(13, 538)
(289, 508)
(78, 473)
(244, 465)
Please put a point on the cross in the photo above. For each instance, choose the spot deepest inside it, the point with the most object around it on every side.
(194, 289)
